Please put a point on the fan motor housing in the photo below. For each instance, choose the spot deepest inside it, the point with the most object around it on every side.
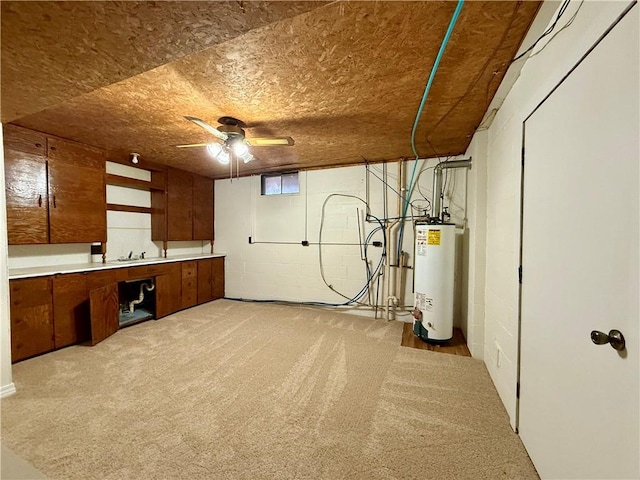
(232, 130)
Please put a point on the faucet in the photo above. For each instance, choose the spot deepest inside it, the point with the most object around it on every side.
(130, 253)
(142, 255)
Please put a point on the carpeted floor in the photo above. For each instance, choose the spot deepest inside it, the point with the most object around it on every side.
(232, 390)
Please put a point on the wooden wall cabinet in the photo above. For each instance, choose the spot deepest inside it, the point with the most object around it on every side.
(77, 193)
(55, 189)
(179, 205)
(202, 208)
(185, 210)
(25, 165)
(31, 317)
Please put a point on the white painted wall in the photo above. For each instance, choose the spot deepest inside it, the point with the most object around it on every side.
(472, 314)
(6, 382)
(284, 269)
(538, 76)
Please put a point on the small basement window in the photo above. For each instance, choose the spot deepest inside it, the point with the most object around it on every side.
(280, 184)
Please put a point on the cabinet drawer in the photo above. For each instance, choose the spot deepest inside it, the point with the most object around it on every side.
(147, 271)
(189, 269)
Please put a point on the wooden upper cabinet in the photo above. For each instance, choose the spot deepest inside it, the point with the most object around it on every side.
(202, 208)
(77, 193)
(179, 205)
(185, 210)
(25, 166)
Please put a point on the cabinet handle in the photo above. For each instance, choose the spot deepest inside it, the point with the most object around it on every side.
(39, 200)
(54, 201)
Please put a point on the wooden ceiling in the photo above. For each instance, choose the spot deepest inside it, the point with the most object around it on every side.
(344, 79)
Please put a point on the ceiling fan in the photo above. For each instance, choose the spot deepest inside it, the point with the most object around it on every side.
(234, 142)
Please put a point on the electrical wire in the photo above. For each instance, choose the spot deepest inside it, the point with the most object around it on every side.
(364, 289)
(573, 17)
(561, 11)
(394, 191)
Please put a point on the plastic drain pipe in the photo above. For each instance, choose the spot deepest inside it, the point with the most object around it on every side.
(133, 303)
(391, 297)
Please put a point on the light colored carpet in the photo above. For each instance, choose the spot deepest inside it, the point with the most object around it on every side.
(235, 390)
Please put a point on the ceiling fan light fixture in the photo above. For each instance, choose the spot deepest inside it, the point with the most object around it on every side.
(214, 149)
(240, 148)
(224, 157)
(247, 157)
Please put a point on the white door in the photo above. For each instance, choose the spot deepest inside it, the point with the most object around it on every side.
(579, 402)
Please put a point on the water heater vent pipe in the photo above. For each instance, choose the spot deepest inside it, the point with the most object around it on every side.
(437, 192)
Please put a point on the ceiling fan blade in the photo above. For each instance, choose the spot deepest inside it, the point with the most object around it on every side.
(192, 145)
(270, 141)
(207, 127)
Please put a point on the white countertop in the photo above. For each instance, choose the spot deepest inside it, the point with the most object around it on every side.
(16, 273)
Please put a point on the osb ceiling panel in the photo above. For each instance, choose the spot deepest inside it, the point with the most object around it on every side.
(344, 80)
(54, 51)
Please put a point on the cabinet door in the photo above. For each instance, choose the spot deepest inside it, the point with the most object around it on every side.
(71, 309)
(104, 312)
(218, 277)
(202, 208)
(25, 165)
(31, 317)
(205, 280)
(189, 284)
(169, 291)
(179, 205)
(159, 206)
(77, 193)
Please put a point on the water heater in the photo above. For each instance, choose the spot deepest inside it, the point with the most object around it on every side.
(435, 256)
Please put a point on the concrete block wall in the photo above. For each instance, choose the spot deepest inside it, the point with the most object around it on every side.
(283, 269)
(539, 75)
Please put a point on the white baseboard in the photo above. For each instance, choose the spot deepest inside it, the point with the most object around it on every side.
(7, 390)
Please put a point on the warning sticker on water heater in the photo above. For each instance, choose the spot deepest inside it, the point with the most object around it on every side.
(434, 237)
(421, 243)
(423, 302)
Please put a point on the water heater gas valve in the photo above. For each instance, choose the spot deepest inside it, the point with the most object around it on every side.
(417, 314)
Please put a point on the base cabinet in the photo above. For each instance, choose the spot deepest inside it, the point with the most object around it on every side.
(189, 284)
(210, 279)
(218, 277)
(31, 317)
(103, 304)
(169, 291)
(52, 312)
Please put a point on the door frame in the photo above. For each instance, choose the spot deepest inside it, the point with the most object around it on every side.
(522, 174)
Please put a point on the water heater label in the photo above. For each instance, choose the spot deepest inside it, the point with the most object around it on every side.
(434, 237)
(423, 302)
(421, 242)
